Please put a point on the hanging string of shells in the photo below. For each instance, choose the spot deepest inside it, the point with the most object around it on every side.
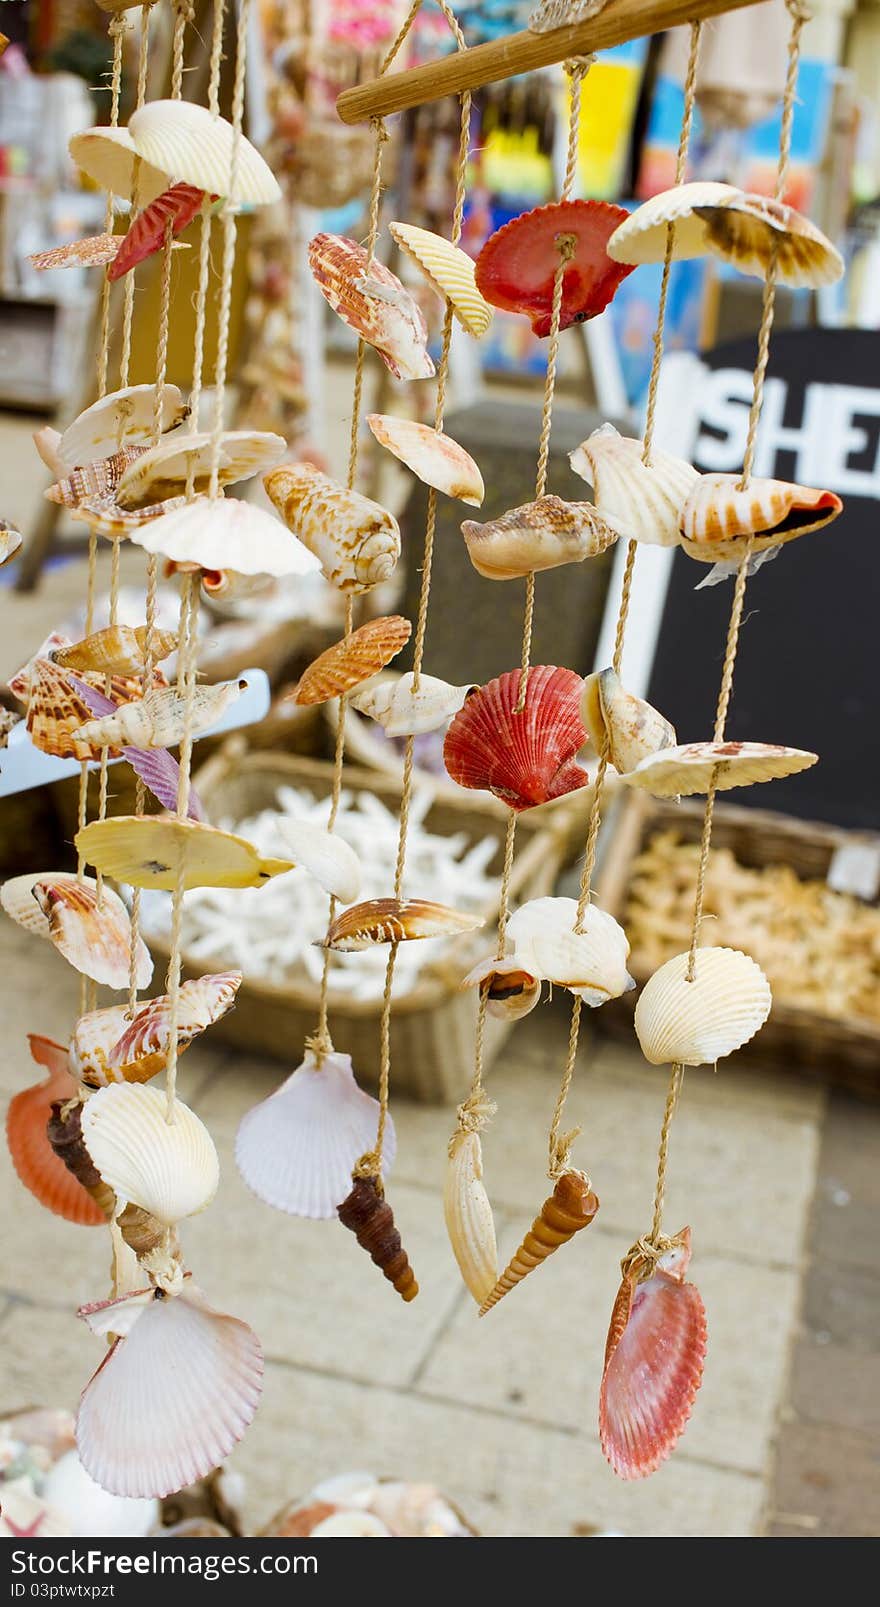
(96, 1141)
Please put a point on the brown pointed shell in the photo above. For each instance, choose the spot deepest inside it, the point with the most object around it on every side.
(118, 650)
(718, 518)
(353, 660)
(94, 480)
(367, 1215)
(356, 540)
(64, 1133)
(571, 1206)
(539, 535)
(394, 920)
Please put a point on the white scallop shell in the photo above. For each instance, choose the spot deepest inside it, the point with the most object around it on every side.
(123, 418)
(451, 272)
(226, 534)
(170, 1399)
(164, 469)
(167, 1168)
(639, 502)
(403, 712)
(295, 1150)
(107, 156)
(688, 769)
(696, 1023)
(632, 728)
(185, 141)
(91, 1510)
(469, 1220)
(591, 963)
(642, 238)
(325, 855)
(436, 458)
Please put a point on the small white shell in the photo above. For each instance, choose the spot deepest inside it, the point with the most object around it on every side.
(107, 156)
(688, 769)
(325, 855)
(640, 502)
(632, 727)
(469, 1220)
(696, 1023)
(591, 963)
(123, 418)
(295, 1150)
(91, 1510)
(353, 1524)
(167, 1168)
(159, 719)
(183, 140)
(226, 534)
(451, 272)
(163, 470)
(436, 458)
(403, 712)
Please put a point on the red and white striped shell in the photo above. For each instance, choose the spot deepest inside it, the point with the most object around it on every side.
(373, 302)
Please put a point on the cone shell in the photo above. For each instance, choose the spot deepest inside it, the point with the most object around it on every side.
(296, 1149)
(571, 1206)
(696, 1023)
(107, 157)
(523, 758)
(403, 712)
(170, 1399)
(92, 252)
(394, 920)
(161, 718)
(118, 650)
(10, 543)
(147, 232)
(325, 855)
(590, 963)
(41, 1171)
(653, 1363)
(169, 1168)
(225, 534)
(451, 272)
(718, 518)
(148, 851)
(355, 659)
(368, 1216)
(688, 768)
(512, 991)
(539, 535)
(122, 418)
(639, 502)
(163, 470)
(469, 1220)
(632, 729)
(356, 541)
(109, 1046)
(517, 266)
(94, 937)
(373, 302)
(186, 141)
(435, 458)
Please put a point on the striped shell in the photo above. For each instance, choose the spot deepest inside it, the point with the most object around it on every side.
(541, 937)
(148, 231)
(369, 1217)
(630, 727)
(169, 1168)
(107, 157)
(718, 518)
(373, 302)
(689, 768)
(148, 851)
(696, 1023)
(93, 481)
(435, 458)
(122, 418)
(185, 141)
(525, 758)
(451, 272)
(163, 470)
(468, 1215)
(356, 540)
(109, 1046)
(402, 712)
(394, 920)
(93, 935)
(642, 503)
(539, 535)
(355, 659)
(225, 535)
(117, 650)
(55, 709)
(92, 252)
(161, 718)
(571, 1207)
(511, 989)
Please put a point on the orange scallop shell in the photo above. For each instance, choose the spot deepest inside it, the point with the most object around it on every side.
(39, 1168)
(517, 266)
(524, 758)
(55, 710)
(353, 660)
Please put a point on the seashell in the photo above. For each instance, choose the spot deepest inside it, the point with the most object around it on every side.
(356, 541)
(417, 1511)
(643, 503)
(10, 542)
(92, 933)
(161, 718)
(187, 142)
(106, 517)
(395, 920)
(55, 709)
(163, 470)
(511, 989)
(147, 232)
(117, 650)
(468, 1214)
(370, 1218)
(654, 1358)
(523, 758)
(354, 1524)
(591, 964)
(155, 767)
(171, 1397)
(46, 441)
(550, 14)
(570, 1207)
(142, 1232)
(92, 252)
(539, 535)
(25, 1513)
(325, 855)
(741, 228)
(94, 481)
(169, 1168)
(110, 1046)
(355, 659)
(435, 458)
(689, 768)
(8, 721)
(718, 518)
(19, 683)
(449, 270)
(517, 266)
(631, 728)
(297, 1522)
(63, 1134)
(696, 1023)
(150, 852)
(296, 1149)
(225, 534)
(91, 1510)
(403, 712)
(41, 1171)
(373, 302)
(107, 156)
(122, 418)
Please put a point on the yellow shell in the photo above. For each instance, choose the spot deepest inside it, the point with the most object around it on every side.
(718, 518)
(468, 1214)
(451, 272)
(642, 502)
(148, 851)
(182, 139)
(696, 1023)
(117, 650)
(688, 768)
(107, 156)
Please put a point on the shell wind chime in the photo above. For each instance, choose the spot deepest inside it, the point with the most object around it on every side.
(100, 1139)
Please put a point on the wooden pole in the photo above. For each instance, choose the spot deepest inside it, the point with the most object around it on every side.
(619, 21)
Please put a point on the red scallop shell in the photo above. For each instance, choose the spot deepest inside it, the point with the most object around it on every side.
(39, 1168)
(516, 268)
(653, 1367)
(527, 758)
(146, 234)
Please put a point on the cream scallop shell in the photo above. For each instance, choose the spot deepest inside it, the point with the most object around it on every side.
(185, 141)
(641, 502)
(696, 1023)
(123, 418)
(226, 534)
(404, 712)
(469, 1220)
(632, 728)
(107, 156)
(642, 238)
(169, 1168)
(591, 964)
(688, 769)
(436, 459)
(325, 855)
(451, 272)
(164, 469)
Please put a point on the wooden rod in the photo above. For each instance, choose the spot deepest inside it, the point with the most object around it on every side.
(619, 21)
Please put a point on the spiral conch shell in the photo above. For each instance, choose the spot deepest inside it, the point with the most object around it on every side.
(539, 535)
(403, 712)
(719, 518)
(591, 963)
(94, 481)
(469, 1220)
(696, 1023)
(373, 302)
(117, 650)
(356, 540)
(160, 719)
(570, 1207)
(691, 767)
(631, 728)
(451, 272)
(370, 1218)
(640, 501)
(434, 457)
(168, 1168)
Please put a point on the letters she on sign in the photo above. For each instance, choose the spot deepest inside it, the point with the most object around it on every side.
(832, 431)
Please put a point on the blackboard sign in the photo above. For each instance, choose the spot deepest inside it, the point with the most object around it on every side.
(807, 671)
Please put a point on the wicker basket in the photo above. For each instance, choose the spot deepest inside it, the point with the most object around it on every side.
(845, 1050)
(432, 1026)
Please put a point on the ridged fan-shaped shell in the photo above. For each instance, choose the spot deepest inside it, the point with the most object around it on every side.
(226, 534)
(356, 658)
(511, 989)
(148, 231)
(147, 851)
(93, 935)
(696, 1023)
(109, 1046)
(160, 718)
(184, 140)
(632, 728)
(539, 535)
(107, 156)
(55, 709)
(356, 541)
(517, 267)
(525, 758)
(163, 470)
(325, 855)
(451, 272)
(117, 650)
(434, 457)
(639, 501)
(718, 518)
(403, 711)
(541, 936)
(687, 769)
(395, 920)
(469, 1220)
(41, 1171)
(373, 302)
(643, 234)
(169, 1168)
(122, 418)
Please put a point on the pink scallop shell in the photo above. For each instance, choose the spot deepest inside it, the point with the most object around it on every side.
(525, 759)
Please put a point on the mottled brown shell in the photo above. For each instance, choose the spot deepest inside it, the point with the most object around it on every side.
(64, 1132)
(371, 1220)
(141, 1231)
(571, 1206)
